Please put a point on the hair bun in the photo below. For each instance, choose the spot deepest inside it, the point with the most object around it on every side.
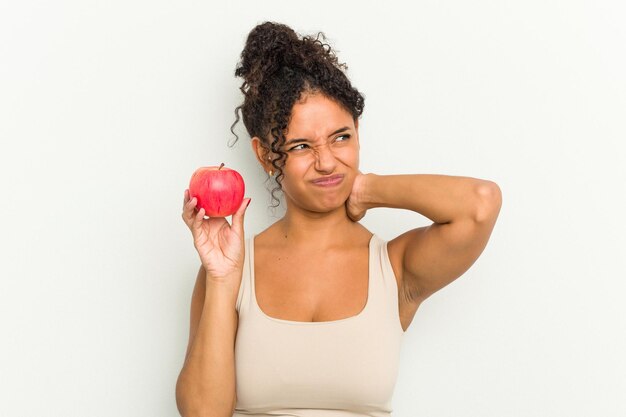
(269, 47)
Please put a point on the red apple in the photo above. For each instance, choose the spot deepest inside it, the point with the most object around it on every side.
(219, 190)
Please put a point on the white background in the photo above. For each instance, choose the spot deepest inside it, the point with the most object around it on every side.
(107, 108)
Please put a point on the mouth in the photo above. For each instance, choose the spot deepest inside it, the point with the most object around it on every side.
(328, 181)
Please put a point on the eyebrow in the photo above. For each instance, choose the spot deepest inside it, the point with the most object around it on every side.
(291, 141)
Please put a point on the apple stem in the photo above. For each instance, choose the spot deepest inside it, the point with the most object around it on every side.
(221, 166)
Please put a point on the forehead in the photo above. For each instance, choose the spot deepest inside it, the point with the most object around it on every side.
(317, 115)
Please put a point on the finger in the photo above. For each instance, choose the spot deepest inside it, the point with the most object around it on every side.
(238, 217)
(191, 204)
(188, 211)
(197, 222)
(184, 203)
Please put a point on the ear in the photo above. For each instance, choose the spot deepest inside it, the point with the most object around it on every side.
(262, 153)
(356, 128)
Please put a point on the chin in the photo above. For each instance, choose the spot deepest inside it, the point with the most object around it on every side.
(329, 206)
(322, 202)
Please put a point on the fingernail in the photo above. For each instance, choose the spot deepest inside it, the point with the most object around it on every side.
(249, 200)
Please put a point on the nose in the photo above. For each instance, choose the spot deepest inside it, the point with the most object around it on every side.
(325, 160)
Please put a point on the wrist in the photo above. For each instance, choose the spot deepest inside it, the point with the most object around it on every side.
(223, 283)
(367, 197)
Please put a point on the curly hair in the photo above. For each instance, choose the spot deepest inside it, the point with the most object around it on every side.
(278, 67)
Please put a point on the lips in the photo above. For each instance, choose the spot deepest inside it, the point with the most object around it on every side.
(330, 180)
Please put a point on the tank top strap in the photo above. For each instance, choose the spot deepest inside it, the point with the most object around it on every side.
(386, 270)
(385, 284)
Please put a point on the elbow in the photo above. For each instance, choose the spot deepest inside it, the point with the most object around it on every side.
(488, 202)
(182, 402)
(191, 403)
(185, 404)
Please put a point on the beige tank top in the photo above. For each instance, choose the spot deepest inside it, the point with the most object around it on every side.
(339, 368)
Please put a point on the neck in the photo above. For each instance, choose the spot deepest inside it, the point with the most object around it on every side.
(303, 228)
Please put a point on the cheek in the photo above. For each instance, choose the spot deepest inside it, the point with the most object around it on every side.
(356, 159)
(296, 166)
(349, 157)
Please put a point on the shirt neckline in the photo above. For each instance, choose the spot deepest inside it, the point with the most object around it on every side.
(312, 323)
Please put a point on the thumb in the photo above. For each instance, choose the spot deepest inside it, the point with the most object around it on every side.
(238, 216)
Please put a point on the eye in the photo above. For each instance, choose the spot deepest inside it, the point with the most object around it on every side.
(301, 146)
(297, 147)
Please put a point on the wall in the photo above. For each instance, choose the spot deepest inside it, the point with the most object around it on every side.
(108, 107)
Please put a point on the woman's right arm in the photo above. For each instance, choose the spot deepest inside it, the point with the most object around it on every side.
(206, 384)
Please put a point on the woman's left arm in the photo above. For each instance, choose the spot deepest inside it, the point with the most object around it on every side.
(463, 210)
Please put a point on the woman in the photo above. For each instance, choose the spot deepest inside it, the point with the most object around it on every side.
(307, 316)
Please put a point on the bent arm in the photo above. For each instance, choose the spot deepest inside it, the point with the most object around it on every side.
(464, 212)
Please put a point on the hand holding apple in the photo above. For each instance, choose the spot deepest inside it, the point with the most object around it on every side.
(219, 244)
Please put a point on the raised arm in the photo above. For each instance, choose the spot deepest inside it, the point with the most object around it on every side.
(463, 210)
